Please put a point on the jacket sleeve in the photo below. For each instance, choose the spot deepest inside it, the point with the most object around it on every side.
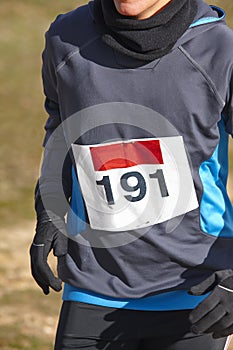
(53, 188)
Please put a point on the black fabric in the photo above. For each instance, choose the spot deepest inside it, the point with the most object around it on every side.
(50, 235)
(145, 39)
(214, 314)
(84, 326)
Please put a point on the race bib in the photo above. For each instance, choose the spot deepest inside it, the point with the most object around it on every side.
(133, 184)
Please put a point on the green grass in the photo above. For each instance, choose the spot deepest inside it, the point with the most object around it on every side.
(29, 312)
(11, 338)
(39, 303)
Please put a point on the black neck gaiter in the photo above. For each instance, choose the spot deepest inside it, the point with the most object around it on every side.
(145, 39)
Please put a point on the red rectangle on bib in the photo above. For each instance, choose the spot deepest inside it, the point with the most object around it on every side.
(126, 154)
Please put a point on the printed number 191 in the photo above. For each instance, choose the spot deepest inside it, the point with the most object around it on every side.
(141, 185)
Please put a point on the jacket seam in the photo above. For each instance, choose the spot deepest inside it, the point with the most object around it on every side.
(205, 75)
(73, 53)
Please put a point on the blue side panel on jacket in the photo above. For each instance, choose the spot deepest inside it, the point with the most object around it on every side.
(76, 221)
(216, 209)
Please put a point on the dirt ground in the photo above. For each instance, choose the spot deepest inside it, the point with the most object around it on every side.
(28, 318)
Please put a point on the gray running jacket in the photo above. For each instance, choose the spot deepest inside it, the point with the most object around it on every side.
(149, 212)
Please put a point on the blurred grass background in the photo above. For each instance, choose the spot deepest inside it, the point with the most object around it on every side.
(27, 318)
(22, 28)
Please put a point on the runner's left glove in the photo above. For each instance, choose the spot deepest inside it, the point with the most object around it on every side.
(215, 313)
(50, 235)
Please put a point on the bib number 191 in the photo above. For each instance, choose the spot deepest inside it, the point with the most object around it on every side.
(140, 185)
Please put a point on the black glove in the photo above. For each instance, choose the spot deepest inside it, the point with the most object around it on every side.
(215, 313)
(50, 235)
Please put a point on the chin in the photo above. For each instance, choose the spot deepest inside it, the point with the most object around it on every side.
(127, 9)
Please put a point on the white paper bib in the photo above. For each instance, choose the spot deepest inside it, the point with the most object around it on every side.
(133, 184)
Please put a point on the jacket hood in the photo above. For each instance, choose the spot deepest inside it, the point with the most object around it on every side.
(206, 17)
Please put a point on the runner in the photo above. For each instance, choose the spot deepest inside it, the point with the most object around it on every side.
(132, 193)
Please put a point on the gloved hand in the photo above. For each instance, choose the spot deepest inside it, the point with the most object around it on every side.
(215, 313)
(50, 235)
